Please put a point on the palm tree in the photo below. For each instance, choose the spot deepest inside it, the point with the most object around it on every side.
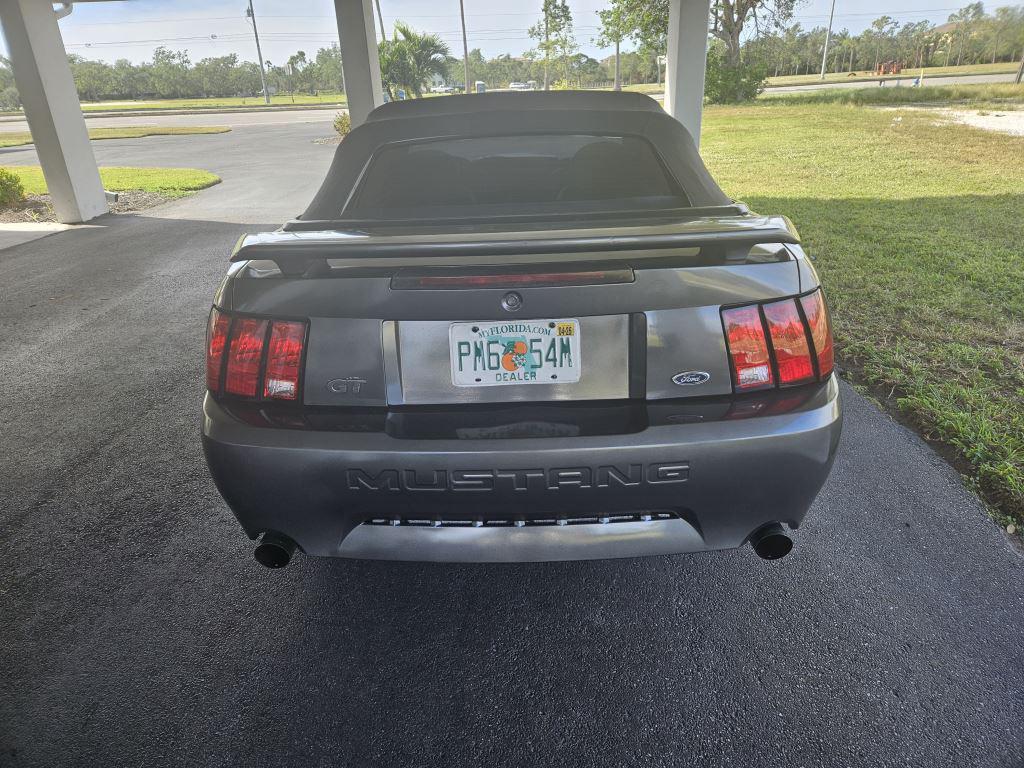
(411, 59)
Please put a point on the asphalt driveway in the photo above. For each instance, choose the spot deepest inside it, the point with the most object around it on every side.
(137, 630)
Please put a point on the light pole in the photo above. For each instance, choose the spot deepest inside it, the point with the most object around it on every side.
(828, 37)
(380, 18)
(465, 45)
(263, 72)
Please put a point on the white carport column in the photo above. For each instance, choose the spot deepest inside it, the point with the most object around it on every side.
(52, 109)
(686, 62)
(359, 57)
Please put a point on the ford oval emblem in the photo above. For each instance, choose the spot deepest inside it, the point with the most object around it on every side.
(688, 378)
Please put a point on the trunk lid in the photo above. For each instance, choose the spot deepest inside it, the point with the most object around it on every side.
(646, 302)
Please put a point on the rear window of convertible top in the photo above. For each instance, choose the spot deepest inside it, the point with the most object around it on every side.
(526, 173)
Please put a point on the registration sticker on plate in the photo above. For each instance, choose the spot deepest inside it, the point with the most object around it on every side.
(495, 354)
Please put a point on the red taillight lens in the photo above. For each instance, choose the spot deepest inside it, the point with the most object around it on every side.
(245, 352)
(821, 331)
(284, 360)
(789, 342)
(216, 339)
(801, 343)
(748, 349)
(255, 357)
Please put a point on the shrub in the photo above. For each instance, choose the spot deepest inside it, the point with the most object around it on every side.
(10, 100)
(11, 190)
(725, 84)
(342, 124)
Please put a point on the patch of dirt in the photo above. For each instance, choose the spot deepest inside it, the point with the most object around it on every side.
(38, 208)
(1009, 121)
(329, 140)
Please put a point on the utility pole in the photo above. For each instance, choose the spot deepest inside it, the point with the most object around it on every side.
(547, 48)
(828, 38)
(263, 72)
(380, 18)
(465, 45)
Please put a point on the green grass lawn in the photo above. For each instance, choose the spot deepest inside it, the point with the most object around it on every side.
(171, 182)
(644, 88)
(843, 77)
(279, 100)
(918, 233)
(18, 138)
(982, 94)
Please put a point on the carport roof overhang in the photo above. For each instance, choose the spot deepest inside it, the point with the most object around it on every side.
(55, 118)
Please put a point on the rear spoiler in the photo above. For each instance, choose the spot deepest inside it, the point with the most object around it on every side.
(724, 237)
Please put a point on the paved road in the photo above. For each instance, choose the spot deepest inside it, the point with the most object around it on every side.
(138, 631)
(269, 173)
(233, 119)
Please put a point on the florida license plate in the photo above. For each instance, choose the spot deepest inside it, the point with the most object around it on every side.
(499, 354)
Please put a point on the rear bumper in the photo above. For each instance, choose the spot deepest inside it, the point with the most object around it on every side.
(669, 487)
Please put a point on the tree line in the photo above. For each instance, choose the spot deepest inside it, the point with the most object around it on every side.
(751, 40)
(755, 39)
(173, 75)
(970, 36)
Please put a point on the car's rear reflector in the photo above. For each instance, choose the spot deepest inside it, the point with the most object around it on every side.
(216, 340)
(789, 343)
(748, 349)
(821, 331)
(245, 352)
(284, 360)
(801, 348)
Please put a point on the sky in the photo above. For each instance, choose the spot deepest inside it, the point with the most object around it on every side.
(131, 29)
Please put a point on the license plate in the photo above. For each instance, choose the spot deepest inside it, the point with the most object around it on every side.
(500, 354)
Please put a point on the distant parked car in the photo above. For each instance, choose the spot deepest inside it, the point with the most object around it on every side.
(518, 86)
(443, 89)
(520, 326)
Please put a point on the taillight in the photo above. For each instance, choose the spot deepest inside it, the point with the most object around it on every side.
(801, 348)
(244, 354)
(284, 358)
(751, 366)
(216, 340)
(255, 357)
(789, 343)
(821, 331)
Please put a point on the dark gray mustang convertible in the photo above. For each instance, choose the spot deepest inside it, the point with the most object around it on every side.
(517, 327)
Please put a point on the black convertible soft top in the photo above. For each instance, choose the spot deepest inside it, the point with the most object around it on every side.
(503, 114)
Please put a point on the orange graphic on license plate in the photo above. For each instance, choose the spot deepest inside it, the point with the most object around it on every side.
(514, 352)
